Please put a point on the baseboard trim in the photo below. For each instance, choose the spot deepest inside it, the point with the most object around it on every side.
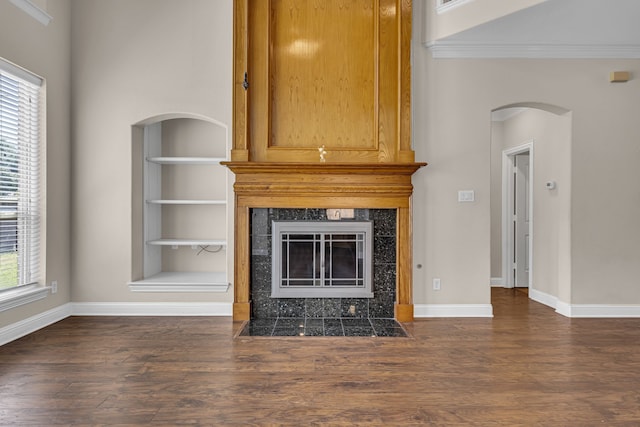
(152, 309)
(543, 298)
(497, 282)
(593, 311)
(452, 310)
(562, 308)
(32, 324)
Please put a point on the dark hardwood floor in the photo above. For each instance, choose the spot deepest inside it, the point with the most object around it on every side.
(527, 366)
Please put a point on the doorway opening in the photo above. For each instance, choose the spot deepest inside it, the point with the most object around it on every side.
(517, 216)
(531, 209)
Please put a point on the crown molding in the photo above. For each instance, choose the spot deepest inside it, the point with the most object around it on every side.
(471, 50)
(33, 10)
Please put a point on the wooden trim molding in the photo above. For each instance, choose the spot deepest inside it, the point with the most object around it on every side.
(323, 185)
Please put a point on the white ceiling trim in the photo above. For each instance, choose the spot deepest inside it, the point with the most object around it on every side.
(33, 10)
(461, 50)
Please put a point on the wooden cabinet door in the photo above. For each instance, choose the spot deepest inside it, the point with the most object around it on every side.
(332, 73)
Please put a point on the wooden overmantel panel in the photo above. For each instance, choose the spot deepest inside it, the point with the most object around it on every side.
(333, 73)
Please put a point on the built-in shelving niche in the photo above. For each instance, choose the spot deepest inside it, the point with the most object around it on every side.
(180, 210)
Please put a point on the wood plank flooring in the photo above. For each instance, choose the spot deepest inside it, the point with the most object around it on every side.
(528, 366)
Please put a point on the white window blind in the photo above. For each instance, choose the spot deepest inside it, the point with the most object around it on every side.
(19, 177)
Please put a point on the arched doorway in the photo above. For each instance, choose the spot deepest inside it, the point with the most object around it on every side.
(530, 199)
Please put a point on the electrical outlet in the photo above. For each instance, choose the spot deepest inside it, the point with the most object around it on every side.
(352, 310)
(436, 284)
(54, 286)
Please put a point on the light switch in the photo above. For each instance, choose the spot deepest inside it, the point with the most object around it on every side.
(466, 196)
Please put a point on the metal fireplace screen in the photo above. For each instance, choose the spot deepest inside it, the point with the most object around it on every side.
(322, 259)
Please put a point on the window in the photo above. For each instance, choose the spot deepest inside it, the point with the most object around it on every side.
(20, 165)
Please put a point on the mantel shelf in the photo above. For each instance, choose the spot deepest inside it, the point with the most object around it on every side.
(324, 168)
(331, 185)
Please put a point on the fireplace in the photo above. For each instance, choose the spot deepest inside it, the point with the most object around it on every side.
(321, 259)
(327, 146)
(288, 191)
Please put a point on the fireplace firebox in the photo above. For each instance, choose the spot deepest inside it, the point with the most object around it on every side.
(322, 259)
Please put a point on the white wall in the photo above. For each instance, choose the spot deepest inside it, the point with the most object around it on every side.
(468, 15)
(605, 191)
(133, 60)
(45, 50)
(453, 100)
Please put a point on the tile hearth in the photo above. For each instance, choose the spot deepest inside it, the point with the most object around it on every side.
(329, 327)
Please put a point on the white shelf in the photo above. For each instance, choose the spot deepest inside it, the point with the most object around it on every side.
(182, 282)
(187, 202)
(167, 144)
(186, 160)
(187, 242)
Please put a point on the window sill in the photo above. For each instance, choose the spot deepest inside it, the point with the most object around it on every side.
(24, 295)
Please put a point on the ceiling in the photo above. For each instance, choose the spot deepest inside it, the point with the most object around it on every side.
(553, 29)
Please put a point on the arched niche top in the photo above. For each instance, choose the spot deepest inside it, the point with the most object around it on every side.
(554, 109)
(170, 116)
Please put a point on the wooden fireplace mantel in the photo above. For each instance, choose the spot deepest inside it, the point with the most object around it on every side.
(323, 185)
(294, 94)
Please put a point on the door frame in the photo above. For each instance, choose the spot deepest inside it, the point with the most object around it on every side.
(508, 237)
